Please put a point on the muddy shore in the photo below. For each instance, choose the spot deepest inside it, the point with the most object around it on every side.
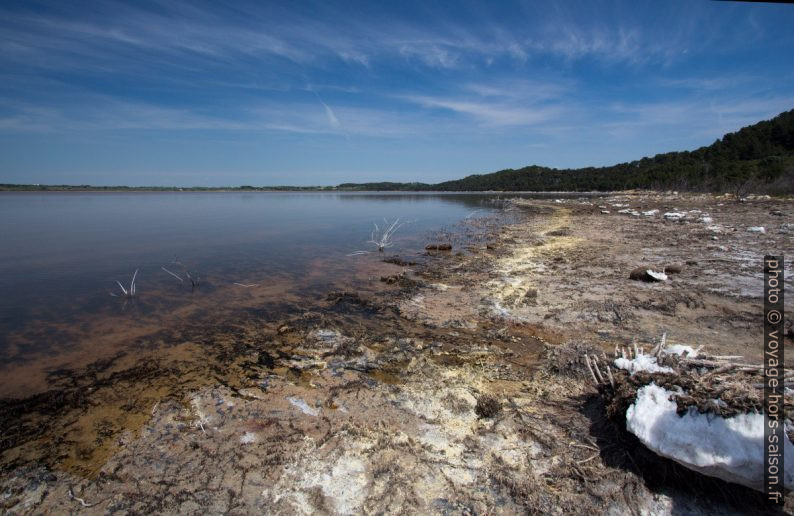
(452, 384)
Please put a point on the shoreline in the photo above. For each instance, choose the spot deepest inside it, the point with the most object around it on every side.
(539, 193)
(451, 386)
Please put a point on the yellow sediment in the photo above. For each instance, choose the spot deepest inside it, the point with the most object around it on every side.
(517, 271)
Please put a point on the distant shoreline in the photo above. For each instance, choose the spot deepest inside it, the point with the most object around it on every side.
(4, 188)
(121, 188)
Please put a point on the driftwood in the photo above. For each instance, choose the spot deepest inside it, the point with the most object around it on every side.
(128, 293)
(722, 384)
(711, 366)
(382, 238)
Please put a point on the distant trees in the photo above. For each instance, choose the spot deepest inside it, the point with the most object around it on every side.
(760, 156)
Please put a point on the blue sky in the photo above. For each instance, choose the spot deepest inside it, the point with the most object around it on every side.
(304, 93)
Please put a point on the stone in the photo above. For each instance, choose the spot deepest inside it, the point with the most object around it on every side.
(647, 275)
(487, 406)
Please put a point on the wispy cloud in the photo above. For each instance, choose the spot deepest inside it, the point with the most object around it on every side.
(124, 35)
(551, 81)
(524, 90)
(331, 116)
(518, 102)
(489, 113)
(103, 114)
(694, 119)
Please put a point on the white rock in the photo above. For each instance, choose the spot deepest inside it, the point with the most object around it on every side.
(674, 215)
(302, 406)
(757, 229)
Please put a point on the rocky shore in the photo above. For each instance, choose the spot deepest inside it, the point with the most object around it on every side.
(454, 385)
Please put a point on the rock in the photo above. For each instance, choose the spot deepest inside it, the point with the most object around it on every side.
(646, 274)
(490, 246)
(438, 247)
(691, 262)
(284, 329)
(266, 359)
(757, 229)
(674, 215)
(301, 363)
(638, 274)
(559, 232)
(777, 213)
(396, 260)
(673, 269)
(487, 406)
(531, 296)
(390, 280)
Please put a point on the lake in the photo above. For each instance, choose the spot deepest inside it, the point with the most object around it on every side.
(259, 253)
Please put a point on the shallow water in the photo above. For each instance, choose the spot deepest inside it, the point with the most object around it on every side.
(62, 254)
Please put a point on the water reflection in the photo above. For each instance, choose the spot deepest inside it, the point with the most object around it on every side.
(62, 254)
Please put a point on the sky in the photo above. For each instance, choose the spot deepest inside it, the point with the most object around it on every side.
(320, 93)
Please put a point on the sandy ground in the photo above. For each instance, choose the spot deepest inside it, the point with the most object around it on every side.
(454, 386)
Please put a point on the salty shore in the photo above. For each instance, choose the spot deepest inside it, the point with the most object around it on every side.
(453, 384)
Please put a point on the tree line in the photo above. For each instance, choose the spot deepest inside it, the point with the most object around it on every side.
(759, 157)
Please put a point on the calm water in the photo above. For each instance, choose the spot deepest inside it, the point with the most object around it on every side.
(61, 255)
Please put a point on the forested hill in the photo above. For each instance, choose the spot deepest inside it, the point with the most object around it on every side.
(759, 157)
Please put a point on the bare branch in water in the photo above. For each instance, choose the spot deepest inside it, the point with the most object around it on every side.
(194, 282)
(77, 498)
(383, 240)
(357, 253)
(174, 275)
(132, 284)
(127, 293)
(246, 286)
